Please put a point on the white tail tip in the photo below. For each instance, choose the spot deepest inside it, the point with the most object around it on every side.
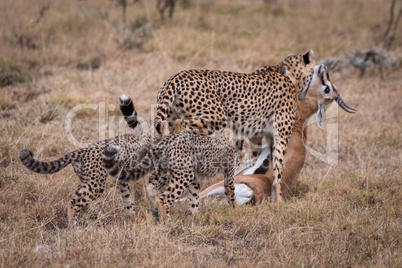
(123, 97)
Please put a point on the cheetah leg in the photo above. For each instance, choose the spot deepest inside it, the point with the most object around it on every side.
(79, 204)
(98, 188)
(162, 209)
(152, 187)
(173, 193)
(171, 119)
(193, 189)
(163, 181)
(127, 200)
(279, 151)
(165, 118)
(164, 126)
(229, 187)
(86, 193)
(72, 212)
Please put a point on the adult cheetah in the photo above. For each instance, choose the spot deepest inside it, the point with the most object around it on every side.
(256, 105)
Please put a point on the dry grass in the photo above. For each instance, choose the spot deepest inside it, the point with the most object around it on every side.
(344, 216)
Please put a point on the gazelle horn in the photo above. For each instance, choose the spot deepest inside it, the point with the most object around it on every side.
(344, 106)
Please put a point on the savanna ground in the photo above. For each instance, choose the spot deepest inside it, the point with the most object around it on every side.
(81, 53)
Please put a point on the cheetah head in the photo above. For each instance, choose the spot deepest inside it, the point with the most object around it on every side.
(302, 69)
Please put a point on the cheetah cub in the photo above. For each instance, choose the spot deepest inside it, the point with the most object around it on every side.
(87, 162)
(188, 159)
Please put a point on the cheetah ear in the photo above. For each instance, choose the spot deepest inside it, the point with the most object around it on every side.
(308, 57)
(320, 114)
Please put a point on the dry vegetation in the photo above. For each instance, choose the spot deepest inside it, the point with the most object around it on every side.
(79, 52)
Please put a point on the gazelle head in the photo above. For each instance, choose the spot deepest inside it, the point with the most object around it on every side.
(325, 92)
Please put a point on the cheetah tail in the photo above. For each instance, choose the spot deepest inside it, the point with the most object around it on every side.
(28, 160)
(113, 168)
(128, 111)
(165, 101)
